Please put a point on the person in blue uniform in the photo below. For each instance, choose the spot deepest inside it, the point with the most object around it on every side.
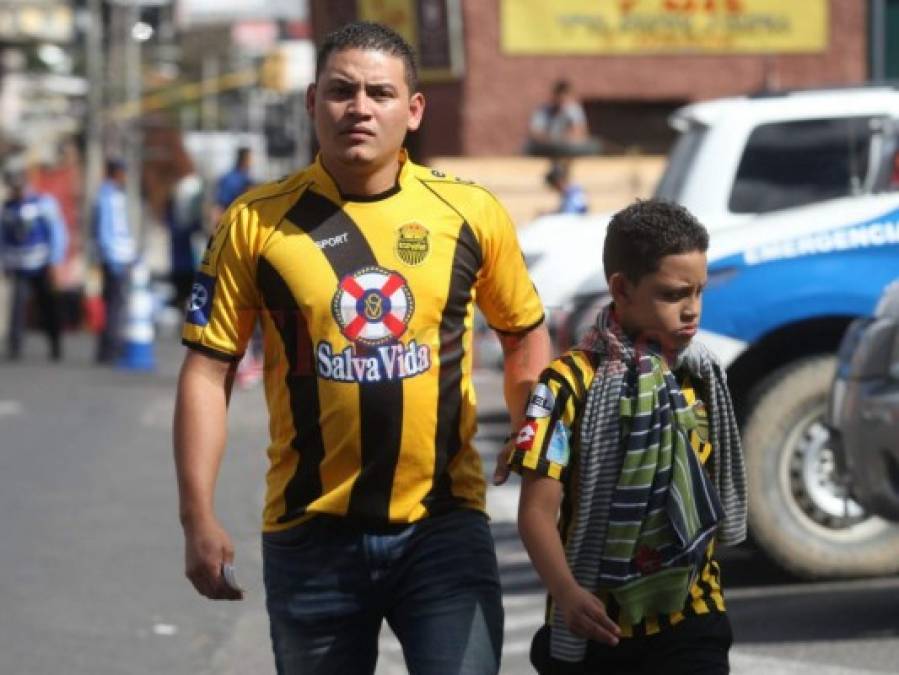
(117, 250)
(237, 181)
(33, 241)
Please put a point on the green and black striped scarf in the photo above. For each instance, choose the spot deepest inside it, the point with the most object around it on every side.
(646, 507)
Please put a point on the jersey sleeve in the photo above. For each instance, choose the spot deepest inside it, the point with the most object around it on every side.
(545, 440)
(505, 292)
(224, 300)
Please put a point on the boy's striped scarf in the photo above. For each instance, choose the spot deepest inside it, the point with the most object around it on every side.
(635, 388)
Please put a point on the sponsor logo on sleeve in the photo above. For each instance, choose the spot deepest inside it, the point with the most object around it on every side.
(525, 439)
(541, 402)
(199, 307)
(559, 449)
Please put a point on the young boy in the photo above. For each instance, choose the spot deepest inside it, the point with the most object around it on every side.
(632, 468)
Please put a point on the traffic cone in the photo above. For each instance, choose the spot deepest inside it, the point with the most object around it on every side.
(137, 342)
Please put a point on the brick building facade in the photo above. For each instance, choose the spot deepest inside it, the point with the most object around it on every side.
(627, 97)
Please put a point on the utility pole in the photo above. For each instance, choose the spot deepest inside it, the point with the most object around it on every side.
(95, 65)
(133, 73)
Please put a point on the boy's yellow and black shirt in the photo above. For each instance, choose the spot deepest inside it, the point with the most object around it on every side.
(548, 444)
(367, 308)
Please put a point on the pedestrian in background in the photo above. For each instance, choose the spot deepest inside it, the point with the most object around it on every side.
(235, 182)
(572, 198)
(32, 242)
(632, 469)
(117, 252)
(364, 269)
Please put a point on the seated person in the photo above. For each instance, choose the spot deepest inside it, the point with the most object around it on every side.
(559, 127)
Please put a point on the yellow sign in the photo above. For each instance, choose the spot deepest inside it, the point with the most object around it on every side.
(664, 26)
(398, 14)
(432, 27)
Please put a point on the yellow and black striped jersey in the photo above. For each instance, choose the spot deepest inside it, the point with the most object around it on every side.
(366, 306)
(548, 443)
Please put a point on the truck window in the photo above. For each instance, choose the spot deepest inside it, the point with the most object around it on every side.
(788, 164)
(679, 162)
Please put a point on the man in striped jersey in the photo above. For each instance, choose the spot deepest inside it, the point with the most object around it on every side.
(594, 400)
(364, 270)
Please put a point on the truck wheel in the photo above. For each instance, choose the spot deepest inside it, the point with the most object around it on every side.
(800, 510)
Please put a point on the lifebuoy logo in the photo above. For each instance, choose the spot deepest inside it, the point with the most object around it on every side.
(373, 306)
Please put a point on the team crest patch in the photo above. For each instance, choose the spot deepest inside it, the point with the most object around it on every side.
(373, 306)
(412, 243)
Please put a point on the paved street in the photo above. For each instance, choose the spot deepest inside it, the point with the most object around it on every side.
(90, 563)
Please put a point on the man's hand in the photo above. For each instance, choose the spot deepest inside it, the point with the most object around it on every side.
(501, 472)
(206, 548)
(586, 617)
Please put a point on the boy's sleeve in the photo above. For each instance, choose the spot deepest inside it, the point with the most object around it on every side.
(544, 441)
(224, 300)
(505, 292)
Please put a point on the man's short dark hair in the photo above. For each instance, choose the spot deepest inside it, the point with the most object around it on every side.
(242, 155)
(640, 235)
(371, 36)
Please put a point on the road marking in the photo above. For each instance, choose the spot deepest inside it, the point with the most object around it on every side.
(165, 629)
(10, 408)
(750, 664)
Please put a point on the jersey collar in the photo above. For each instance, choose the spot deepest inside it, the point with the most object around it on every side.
(330, 189)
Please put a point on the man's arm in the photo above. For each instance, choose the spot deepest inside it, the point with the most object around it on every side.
(524, 358)
(200, 430)
(538, 509)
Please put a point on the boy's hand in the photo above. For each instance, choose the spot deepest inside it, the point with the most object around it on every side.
(586, 617)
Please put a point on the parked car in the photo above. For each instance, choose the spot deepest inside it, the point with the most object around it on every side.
(864, 407)
(799, 193)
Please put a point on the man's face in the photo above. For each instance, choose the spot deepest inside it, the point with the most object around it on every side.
(664, 306)
(362, 108)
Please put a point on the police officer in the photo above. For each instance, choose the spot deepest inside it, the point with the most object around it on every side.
(33, 241)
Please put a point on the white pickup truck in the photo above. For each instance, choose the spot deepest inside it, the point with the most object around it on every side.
(800, 193)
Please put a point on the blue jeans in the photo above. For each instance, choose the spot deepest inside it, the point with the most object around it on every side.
(329, 586)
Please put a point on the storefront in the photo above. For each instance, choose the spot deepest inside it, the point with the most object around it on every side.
(489, 63)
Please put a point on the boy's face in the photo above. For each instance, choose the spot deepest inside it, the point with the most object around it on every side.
(664, 306)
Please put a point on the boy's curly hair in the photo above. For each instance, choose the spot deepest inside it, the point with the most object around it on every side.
(640, 235)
